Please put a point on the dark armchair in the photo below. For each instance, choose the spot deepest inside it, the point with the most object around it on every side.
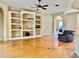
(66, 36)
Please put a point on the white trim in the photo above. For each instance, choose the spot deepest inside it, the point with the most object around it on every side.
(77, 53)
(29, 37)
(5, 10)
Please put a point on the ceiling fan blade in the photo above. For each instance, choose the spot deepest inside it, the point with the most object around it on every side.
(45, 6)
(33, 7)
(39, 0)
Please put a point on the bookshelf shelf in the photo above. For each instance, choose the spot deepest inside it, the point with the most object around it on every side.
(24, 24)
(38, 24)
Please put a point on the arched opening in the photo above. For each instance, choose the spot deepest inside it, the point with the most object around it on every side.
(58, 23)
(1, 25)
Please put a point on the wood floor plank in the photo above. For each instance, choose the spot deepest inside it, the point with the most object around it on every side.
(41, 47)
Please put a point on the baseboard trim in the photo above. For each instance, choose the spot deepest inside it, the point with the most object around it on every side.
(30, 37)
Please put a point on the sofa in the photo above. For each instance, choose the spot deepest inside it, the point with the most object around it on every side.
(66, 36)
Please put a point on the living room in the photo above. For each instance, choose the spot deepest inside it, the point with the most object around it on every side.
(42, 28)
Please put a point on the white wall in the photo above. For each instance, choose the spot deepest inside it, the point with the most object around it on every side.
(1, 25)
(75, 4)
(70, 21)
(77, 25)
(46, 24)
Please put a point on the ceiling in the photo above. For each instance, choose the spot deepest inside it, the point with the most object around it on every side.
(27, 4)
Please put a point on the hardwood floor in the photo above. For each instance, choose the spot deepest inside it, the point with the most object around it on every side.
(41, 47)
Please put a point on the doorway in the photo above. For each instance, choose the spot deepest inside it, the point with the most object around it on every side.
(58, 23)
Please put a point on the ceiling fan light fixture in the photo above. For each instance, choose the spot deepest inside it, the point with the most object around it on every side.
(41, 6)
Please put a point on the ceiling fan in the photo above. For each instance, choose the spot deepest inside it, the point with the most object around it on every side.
(41, 6)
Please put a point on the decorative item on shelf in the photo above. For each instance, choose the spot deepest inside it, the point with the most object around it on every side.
(27, 34)
(37, 26)
(30, 18)
(20, 27)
